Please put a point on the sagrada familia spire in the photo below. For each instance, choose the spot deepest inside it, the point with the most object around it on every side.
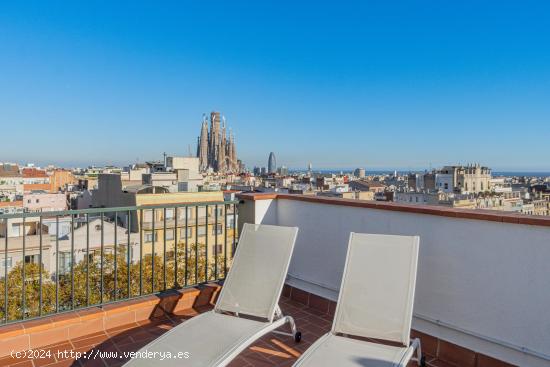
(214, 149)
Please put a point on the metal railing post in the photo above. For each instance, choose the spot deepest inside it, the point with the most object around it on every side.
(216, 242)
(40, 267)
(206, 234)
(128, 249)
(115, 258)
(153, 242)
(6, 305)
(101, 259)
(164, 251)
(87, 259)
(72, 261)
(175, 247)
(23, 303)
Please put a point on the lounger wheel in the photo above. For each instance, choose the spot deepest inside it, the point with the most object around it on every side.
(423, 361)
(297, 337)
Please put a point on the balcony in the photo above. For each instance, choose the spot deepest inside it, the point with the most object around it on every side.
(481, 297)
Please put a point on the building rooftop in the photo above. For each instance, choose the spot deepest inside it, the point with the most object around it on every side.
(33, 173)
(478, 298)
(9, 170)
(18, 203)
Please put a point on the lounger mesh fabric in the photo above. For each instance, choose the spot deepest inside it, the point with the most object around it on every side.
(256, 278)
(332, 350)
(377, 292)
(207, 338)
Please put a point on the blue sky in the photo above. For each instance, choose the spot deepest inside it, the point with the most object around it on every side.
(377, 84)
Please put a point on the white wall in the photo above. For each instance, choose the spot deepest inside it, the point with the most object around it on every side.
(483, 285)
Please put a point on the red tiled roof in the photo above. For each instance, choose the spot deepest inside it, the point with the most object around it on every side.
(9, 170)
(34, 173)
(33, 187)
(374, 184)
(7, 204)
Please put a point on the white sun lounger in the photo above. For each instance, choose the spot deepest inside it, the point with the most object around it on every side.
(375, 302)
(247, 307)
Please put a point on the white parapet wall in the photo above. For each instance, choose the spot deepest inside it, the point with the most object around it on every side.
(481, 284)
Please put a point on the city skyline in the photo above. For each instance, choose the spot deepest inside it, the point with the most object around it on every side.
(83, 87)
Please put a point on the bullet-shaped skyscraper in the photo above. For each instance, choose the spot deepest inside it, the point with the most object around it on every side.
(272, 163)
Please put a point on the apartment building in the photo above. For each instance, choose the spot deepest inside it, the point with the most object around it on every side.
(205, 224)
(470, 179)
(44, 201)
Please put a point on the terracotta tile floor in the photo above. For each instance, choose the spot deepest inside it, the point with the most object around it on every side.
(271, 350)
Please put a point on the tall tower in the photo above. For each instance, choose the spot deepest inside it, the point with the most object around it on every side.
(233, 153)
(214, 142)
(203, 146)
(271, 163)
(222, 166)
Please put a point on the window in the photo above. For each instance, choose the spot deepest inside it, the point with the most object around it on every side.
(169, 234)
(220, 249)
(189, 232)
(31, 259)
(64, 262)
(37, 201)
(446, 186)
(131, 251)
(182, 211)
(147, 216)
(149, 237)
(220, 212)
(3, 262)
(217, 230)
(169, 213)
(231, 222)
(201, 231)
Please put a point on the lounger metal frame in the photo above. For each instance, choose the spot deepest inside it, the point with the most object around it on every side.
(279, 321)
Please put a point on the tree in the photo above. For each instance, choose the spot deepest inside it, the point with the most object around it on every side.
(92, 281)
(31, 300)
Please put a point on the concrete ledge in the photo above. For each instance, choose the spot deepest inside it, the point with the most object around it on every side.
(479, 214)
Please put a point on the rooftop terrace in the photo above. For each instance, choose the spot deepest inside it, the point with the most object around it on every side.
(312, 314)
(481, 294)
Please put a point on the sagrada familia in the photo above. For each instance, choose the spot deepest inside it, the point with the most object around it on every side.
(214, 149)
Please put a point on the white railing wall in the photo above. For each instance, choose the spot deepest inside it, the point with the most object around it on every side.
(482, 285)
